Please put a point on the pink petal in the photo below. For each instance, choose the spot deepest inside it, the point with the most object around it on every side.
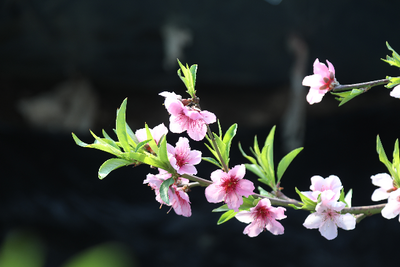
(379, 194)
(314, 81)
(208, 117)
(238, 171)
(328, 229)
(395, 92)
(214, 193)
(279, 213)
(233, 201)
(313, 221)
(175, 107)
(390, 211)
(178, 124)
(330, 67)
(217, 175)
(383, 180)
(321, 69)
(194, 157)
(314, 96)
(346, 221)
(244, 216)
(253, 230)
(197, 130)
(245, 187)
(316, 183)
(187, 169)
(275, 227)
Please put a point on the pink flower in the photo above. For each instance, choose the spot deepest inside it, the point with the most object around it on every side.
(187, 118)
(385, 182)
(319, 184)
(395, 92)
(322, 81)
(178, 198)
(229, 187)
(392, 208)
(262, 216)
(327, 218)
(182, 158)
(157, 132)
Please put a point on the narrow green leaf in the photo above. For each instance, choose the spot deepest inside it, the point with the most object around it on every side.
(382, 156)
(164, 189)
(213, 161)
(249, 158)
(285, 162)
(152, 143)
(141, 145)
(353, 94)
(348, 197)
(132, 139)
(221, 208)
(270, 143)
(112, 164)
(121, 126)
(257, 170)
(148, 159)
(264, 192)
(78, 141)
(226, 216)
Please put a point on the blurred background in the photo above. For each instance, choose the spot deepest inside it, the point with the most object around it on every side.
(66, 66)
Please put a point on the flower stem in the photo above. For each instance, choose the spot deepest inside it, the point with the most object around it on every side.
(367, 85)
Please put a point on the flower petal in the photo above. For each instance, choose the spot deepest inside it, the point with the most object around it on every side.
(313, 221)
(346, 221)
(328, 229)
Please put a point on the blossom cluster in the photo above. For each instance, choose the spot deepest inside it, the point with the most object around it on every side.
(387, 190)
(228, 186)
(327, 216)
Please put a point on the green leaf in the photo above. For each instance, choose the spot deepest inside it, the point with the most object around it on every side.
(121, 127)
(285, 162)
(308, 204)
(348, 197)
(141, 145)
(222, 208)
(269, 142)
(226, 216)
(345, 97)
(395, 59)
(382, 156)
(249, 158)
(112, 164)
(78, 141)
(257, 170)
(164, 189)
(188, 77)
(212, 160)
(264, 192)
(148, 159)
(393, 81)
(152, 143)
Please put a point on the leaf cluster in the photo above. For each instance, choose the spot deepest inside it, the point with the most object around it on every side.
(223, 145)
(188, 77)
(127, 149)
(344, 97)
(393, 167)
(262, 164)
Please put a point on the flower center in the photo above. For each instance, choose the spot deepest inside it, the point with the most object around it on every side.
(329, 82)
(229, 184)
(262, 213)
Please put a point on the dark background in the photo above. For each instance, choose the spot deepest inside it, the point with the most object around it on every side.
(116, 49)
